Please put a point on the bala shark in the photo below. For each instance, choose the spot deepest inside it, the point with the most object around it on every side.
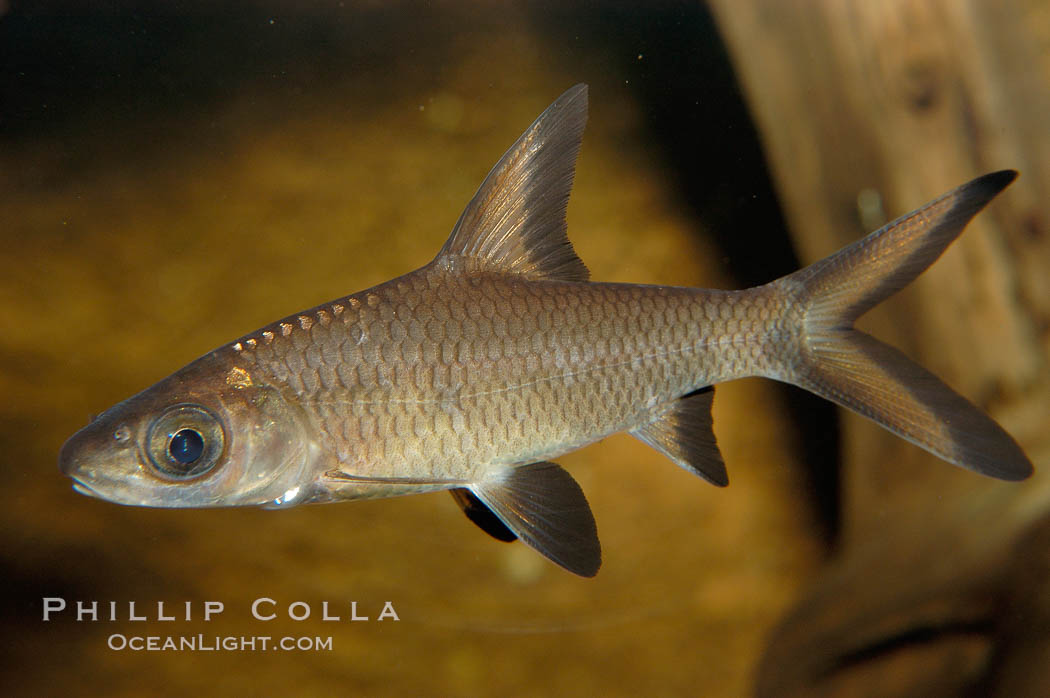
(473, 372)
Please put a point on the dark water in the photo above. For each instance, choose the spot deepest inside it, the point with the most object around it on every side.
(172, 178)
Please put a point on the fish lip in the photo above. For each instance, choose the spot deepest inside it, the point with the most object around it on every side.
(83, 488)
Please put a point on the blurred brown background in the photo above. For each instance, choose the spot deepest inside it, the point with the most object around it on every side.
(174, 175)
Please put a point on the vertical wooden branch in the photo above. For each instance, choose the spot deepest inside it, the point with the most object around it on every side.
(867, 110)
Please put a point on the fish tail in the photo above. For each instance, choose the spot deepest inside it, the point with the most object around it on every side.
(855, 370)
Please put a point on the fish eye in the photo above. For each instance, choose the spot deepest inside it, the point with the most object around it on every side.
(186, 446)
(185, 441)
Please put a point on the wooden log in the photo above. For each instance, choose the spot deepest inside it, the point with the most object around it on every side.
(867, 110)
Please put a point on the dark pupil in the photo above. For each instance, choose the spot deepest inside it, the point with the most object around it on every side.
(186, 446)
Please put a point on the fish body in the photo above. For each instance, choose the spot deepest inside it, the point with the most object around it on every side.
(473, 372)
(441, 378)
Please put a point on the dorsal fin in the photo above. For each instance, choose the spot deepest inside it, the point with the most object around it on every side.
(684, 434)
(515, 224)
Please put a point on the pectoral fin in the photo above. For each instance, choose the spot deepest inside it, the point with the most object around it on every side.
(544, 506)
(481, 515)
(684, 433)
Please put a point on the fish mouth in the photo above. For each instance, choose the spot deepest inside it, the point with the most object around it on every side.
(114, 496)
(85, 489)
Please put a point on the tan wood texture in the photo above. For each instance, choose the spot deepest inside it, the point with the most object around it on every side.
(867, 109)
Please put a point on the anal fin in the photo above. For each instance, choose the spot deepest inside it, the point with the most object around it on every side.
(546, 508)
(684, 433)
(481, 515)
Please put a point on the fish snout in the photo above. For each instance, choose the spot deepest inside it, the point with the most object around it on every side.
(74, 462)
(82, 452)
(70, 456)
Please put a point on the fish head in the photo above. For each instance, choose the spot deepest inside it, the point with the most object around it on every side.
(209, 435)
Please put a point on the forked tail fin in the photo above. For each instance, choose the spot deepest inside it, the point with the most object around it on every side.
(859, 372)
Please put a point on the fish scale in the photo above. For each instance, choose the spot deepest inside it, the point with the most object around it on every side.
(549, 353)
(471, 373)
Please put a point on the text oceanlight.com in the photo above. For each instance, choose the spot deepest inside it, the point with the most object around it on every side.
(217, 643)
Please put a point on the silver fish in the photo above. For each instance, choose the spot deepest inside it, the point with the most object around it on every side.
(473, 372)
